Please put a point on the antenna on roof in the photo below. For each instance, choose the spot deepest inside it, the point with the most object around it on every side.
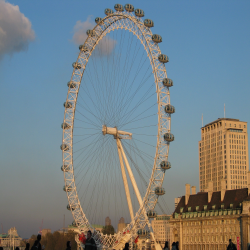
(202, 120)
(224, 110)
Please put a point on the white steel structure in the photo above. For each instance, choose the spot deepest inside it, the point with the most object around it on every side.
(112, 115)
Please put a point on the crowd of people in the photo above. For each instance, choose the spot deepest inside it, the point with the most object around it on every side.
(91, 245)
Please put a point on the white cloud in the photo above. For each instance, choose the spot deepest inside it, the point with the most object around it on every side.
(15, 29)
(104, 47)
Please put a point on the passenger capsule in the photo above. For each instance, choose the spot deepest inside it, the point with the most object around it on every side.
(129, 7)
(167, 82)
(83, 48)
(168, 137)
(98, 20)
(148, 23)
(71, 208)
(71, 85)
(67, 188)
(108, 12)
(165, 165)
(151, 214)
(169, 109)
(139, 13)
(64, 147)
(119, 7)
(163, 58)
(65, 168)
(90, 33)
(76, 65)
(159, 191)
(157, 38)
(75, 224)
(67, 105)
(65, 125)
(142, 232)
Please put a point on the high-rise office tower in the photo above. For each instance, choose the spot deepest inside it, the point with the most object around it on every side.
(223, 154)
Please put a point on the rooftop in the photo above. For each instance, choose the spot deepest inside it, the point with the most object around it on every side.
(235, 197)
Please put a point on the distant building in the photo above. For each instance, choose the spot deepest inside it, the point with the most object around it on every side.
(207, 220)
(121, 224)
(223, 154)
(161, 228)
(107, 221)
(45, 231)
(11, 239)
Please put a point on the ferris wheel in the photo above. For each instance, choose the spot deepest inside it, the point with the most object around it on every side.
(116, 128)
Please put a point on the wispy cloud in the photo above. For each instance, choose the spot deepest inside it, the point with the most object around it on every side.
(15, 29)
(104, 47)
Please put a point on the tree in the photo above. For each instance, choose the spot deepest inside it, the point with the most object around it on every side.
(32, 239)
(108, 230)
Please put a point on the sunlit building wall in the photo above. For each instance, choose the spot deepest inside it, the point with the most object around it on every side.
(223, 153)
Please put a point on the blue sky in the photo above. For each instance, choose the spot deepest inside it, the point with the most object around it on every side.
(208, 43)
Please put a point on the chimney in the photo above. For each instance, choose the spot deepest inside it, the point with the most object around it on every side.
(187, 193)
(210, 190)
(223, 189)
(193, 189)
(248, 182)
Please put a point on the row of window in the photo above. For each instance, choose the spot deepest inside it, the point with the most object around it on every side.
(212, 238)
(211, 230)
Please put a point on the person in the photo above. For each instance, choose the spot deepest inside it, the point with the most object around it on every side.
(68, 245)
(126, 246)
(173, 246)
(166, 246)
(27, 246)
(177, 245)
(17, 248)
(231, 245)
(90, 242)
(39, 244)
(35, 246)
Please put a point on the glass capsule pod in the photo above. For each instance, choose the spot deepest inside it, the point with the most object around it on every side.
(65, 168)
(108, 12)
(76, 65)
(157, 38)
(67, 188)
(75, 224)
(139, 13)
(159, 191)
(142, 232)
(168, 137)
(129, 7)
(163, 58)
(67, 105)
(165, 165)
(65, 125)
(90, 33)
(169, 109)
(98, 20)
(71, 85)
(151, 214)
(64, 147)
(119, 7)
(83, 48)
(148, 23)
(71, 208)
(167, 82)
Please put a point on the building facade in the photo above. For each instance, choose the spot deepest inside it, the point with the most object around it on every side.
(11, 239)
(223, 153)
(161, 228)
(207, 220)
